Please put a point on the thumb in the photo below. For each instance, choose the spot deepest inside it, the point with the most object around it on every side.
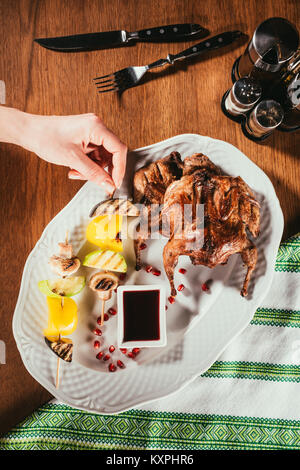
(93, 172)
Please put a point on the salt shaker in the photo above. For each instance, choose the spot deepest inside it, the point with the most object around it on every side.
(244, 94)
(263, 120)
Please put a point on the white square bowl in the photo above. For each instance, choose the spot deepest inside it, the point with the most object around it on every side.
(162, 341)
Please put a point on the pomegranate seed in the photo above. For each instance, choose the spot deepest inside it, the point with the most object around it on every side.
(182, 271)
(120, 364)
(123, 350)
(96, 344)
(106, 317)
(156, 272)
(99, 320)
(97, 332)
(116, 291)
(180, 287)
(143, 246)
(131, 355)
(122, 276)
(112, 311)
(171, 299)
(99, 355)
(112, 368)
(136, 351)
(106, 357)
(205, 287)
(111, 348)
(167, 307)
(148, 269)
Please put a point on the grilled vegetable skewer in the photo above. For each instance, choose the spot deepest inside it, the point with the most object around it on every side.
(64, 264)
(103, 283)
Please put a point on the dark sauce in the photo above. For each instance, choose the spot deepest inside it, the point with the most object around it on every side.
(141, 315)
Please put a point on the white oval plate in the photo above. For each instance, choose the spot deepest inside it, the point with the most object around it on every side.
(199, 325)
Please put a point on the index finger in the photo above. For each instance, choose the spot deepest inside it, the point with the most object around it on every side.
(117, 148)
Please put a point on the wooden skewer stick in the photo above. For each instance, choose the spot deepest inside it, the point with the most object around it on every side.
(58, 360)
(59, 337)
(103, 296)
(57, 370)
(102, 312)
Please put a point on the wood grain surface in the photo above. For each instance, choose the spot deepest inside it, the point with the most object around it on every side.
(183, 99)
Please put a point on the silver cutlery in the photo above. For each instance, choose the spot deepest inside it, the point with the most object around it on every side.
(131, 76)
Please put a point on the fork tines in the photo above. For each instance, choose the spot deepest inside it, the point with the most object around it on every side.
(107, 83)
(118, 81)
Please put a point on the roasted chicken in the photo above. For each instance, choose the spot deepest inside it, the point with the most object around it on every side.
(230, 210)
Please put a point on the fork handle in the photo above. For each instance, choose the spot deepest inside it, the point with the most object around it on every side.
(210, 44)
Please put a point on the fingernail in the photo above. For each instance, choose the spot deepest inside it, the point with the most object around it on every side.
(74, 177)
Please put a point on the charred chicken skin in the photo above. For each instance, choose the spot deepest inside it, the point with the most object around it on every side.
(149, 186)
(230, 210)
(151, 181)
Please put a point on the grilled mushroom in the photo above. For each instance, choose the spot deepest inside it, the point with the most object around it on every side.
(115, 206)
(103, 284)
(63, 348)
(65, 263)
(64, 266)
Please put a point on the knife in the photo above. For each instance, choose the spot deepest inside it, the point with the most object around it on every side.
(93, 41)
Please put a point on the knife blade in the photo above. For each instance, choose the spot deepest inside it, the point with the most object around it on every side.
(108, 39)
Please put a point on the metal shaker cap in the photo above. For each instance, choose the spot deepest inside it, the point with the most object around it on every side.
(269, 114)
(274, 42)
(247, 90)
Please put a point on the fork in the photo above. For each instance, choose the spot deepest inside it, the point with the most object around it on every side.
(130, 76)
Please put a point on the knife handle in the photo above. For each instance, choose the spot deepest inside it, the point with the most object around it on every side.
(211, 43)
(172, 32)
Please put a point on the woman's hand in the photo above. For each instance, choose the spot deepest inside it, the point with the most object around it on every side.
(81, 142)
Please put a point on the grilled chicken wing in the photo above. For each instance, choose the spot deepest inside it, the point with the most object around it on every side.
(151, 181)
(199, 162)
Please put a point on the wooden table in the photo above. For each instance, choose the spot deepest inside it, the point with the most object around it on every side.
(183, 99)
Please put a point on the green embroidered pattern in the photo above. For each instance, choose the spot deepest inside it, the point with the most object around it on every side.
(288, 257)
(276, 317)
(61, 427)
(254, 370)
